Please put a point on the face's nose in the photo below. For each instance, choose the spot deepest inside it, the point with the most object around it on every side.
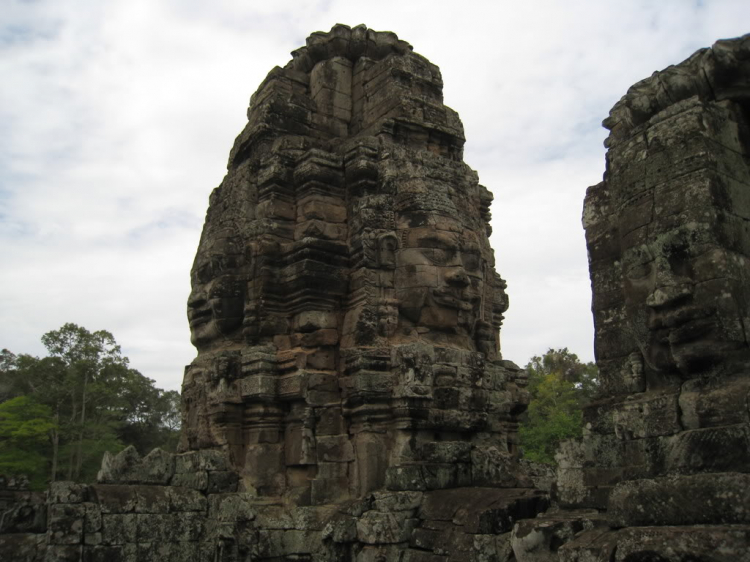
(197, 298)
(457, 277)
(665, 296)
(670, 288)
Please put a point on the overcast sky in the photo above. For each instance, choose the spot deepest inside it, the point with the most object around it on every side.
(117, 116)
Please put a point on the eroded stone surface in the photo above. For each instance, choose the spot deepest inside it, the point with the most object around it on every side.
(669, 255)
(345, 305)
(349, 400)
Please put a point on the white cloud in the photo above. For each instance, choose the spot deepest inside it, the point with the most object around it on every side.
(116, 119)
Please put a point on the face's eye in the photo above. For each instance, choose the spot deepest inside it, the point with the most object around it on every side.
(204, 274)
(639, 271)
(679, 258)
(471, 261)
(215, 266)
(638, 262)
(225, 287)
(441, 256)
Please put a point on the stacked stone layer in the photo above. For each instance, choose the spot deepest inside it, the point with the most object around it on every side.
(666, 448)
(345, 305)
(349, 400)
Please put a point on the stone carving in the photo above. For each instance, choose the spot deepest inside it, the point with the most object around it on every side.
(669, 251)
(349, 401)
(345, 305)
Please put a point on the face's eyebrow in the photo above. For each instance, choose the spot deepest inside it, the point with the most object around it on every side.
(435, 240)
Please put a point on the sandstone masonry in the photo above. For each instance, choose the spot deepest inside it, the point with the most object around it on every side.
(349, 400)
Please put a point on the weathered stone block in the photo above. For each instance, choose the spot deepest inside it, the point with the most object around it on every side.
(127, 467)
(716, 403)
(68, 492)
(26, 513)
(66, 523)
(194, 480)
(329, 490)
(334, 448)
(376, 527)
(274, 517)
(589, 546)
(206, 459)
(258, 387)
(282, 543)
(649, 416)
(31, 547)
(92, 517)
(538, 540)
(681, 500)
(186, 499)
(684, 544)
(63, 553)
(231, 507)
(708, 450)
(119, 528)
(399, 478)
(397, 501)
(92, 539)
(170, 552)
(341, 529)
(222, 481)
(173, 527)
(118, 553)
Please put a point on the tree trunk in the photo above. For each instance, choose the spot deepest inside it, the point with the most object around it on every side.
(55, 444)
(71, 452)
(79, 448)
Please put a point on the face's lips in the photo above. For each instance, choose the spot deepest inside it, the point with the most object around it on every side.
(454, 298)
(675, 318)
(691, 331)
(196, 317)
(682, 325)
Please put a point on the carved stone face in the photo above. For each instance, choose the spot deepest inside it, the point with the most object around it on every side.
(215, 305)
(439, 279)
(686, 299)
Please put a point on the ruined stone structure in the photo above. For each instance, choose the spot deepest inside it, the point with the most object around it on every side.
(667, 447)
(345, 304)
(349, 401)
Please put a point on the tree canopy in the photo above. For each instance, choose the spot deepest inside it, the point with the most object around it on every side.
(560, 385)
(60, 413)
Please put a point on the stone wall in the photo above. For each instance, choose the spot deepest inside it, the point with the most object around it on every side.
(186, 507)
(666, 449)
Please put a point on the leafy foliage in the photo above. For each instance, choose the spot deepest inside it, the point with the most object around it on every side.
(560, 385)
(25, 427)
(83, 399)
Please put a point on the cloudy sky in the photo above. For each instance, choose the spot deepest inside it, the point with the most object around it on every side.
(117, 116)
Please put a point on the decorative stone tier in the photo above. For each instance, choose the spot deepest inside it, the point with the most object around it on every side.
(345, 305)
(665, 455)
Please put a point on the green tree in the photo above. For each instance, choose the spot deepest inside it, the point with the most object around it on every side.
(25, 429)
(7, 372)
(95, 400)
(559, 385)
(86, 359)
(567, 366)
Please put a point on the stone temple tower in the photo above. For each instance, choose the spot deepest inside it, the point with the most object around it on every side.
(345, 303)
